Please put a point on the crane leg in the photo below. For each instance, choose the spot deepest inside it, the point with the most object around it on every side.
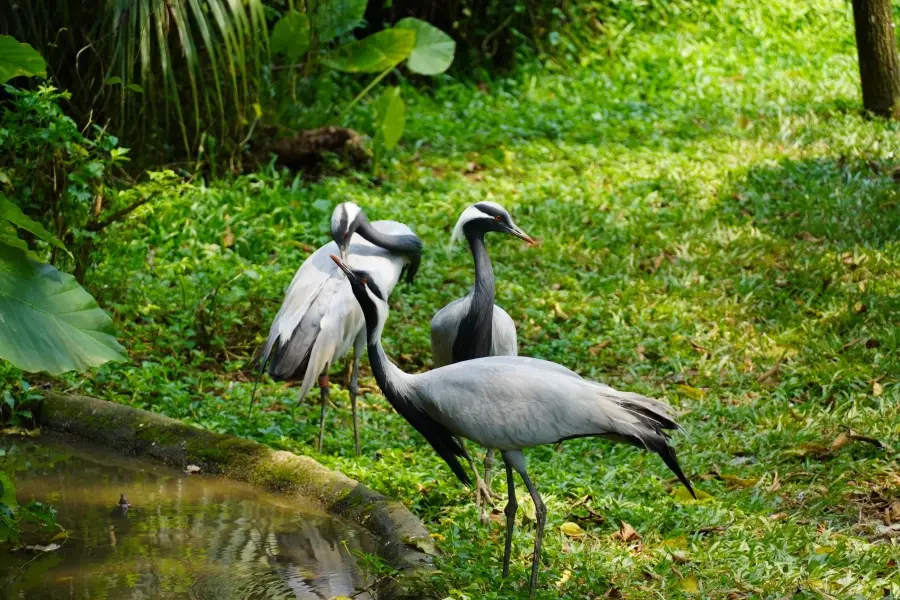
(483, 494)
(324, 389)
(517, 459)
(488, 467)
(354, 390)
(510, 511)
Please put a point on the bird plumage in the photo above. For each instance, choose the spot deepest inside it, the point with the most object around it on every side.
(445, 328)
(510, 403)
(473, 326)
(319, 320)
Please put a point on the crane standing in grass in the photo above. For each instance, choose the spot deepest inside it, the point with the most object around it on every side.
(508, 403)
(320, 320)
(473, 326)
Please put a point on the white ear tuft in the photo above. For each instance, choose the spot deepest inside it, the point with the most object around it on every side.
(467, 215)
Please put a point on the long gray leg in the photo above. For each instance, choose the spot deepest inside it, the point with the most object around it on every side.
(517, 459)
(482, 491)
(325, 392)
(488, 467)
(510, 511)
(354, 390)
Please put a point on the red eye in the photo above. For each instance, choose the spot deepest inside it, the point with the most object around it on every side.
(497, 218)
(362, 280)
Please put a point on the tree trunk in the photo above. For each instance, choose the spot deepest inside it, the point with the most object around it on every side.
(879, 68)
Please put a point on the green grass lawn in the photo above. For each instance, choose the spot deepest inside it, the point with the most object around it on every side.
(719, 228)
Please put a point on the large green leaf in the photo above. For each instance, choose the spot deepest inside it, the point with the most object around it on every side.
(373, 54)
(337, 17)
(47, 321)
(434, 49)
(291, 35)
(12, 213)
(17, 59)
(390, 117)
(7, 491)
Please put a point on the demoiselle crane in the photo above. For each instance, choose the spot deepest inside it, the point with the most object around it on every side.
(508, 403)
(473, 326)
(320, 320)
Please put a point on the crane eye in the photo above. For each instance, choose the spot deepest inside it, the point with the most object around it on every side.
(362, 280)
(497, 218)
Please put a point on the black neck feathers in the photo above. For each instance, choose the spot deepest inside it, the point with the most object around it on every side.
(475, 334)
(409, 245)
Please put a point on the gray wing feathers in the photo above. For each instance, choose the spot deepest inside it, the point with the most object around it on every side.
(526, 402)
(319, 318)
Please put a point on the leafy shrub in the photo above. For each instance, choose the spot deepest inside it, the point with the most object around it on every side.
(54, 172)
(160, 71)
(49, 323)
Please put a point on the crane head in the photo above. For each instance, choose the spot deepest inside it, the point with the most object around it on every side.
(487, 216)
(370, 297)
(345, 219)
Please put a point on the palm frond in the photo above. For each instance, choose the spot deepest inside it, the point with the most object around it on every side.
(198, 63)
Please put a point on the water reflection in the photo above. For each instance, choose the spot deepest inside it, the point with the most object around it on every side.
(184, 536)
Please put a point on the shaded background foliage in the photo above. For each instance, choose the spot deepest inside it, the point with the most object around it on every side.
(719, 229)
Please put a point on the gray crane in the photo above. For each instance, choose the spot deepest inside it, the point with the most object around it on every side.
(473, 326)
(508, 403)
(319, 319)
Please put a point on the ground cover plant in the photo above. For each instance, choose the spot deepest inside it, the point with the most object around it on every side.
(719, 226)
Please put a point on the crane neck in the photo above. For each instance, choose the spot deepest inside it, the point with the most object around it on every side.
(407, 245)
(484, 270)
(474, 336)
(391, 379)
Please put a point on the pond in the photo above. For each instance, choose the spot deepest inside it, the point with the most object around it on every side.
(184, 536)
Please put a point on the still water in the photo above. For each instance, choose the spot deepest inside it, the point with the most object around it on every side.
(185, 536)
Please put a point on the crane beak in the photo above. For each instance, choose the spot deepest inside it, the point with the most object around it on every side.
(343, 266)
(522, 235)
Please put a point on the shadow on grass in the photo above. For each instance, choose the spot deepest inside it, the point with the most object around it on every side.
(830, 202)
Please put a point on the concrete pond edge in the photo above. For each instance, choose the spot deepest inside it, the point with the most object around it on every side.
(403, 541)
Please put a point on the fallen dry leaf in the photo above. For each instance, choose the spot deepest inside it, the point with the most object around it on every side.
(776, 483)
(807, 236)
(877, 389)
(812, 449)
(228, 237)
(840, 441)
(887, 532)
(695, 393)
(566, 575)
(773, 371)
(682, 495)
(735, 481)
(560, 314)
(690, 585)
(573, 530)
(626, 533)
(595, 349)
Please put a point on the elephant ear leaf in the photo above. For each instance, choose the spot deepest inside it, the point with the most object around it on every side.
(14, 215)
(291, 36)
(434, 49)
(19, 60)
(390, 119)
(374, 53)
(47, 321)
